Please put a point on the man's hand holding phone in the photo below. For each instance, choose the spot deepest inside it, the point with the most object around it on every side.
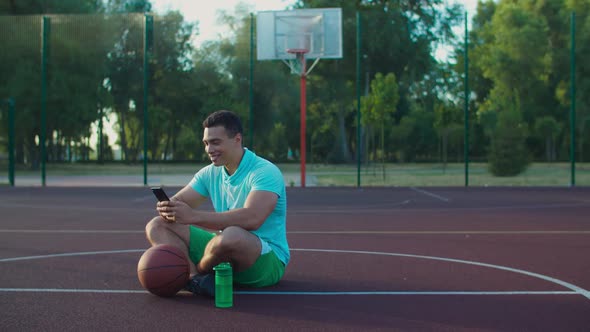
(164, 205)
(160, 194)
(172, 210)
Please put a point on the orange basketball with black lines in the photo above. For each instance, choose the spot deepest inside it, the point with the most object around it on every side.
(163, 270)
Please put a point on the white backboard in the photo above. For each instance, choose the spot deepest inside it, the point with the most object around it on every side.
(318, 31)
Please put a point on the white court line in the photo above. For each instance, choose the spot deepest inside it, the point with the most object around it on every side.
(70, 254)
(444, 199)
(576, 289)
(467, 232)
(573, 287)
(410, 293)
(74, 290)
(385, 232)
(71, 231)
(130, 291)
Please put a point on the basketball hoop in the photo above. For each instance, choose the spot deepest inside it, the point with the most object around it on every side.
(297, 50)
(297, 65)
(293, 36)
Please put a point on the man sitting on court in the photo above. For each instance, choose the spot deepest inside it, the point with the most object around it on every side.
(248, 227)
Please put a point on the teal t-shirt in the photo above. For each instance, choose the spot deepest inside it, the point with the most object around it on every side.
(230, 192)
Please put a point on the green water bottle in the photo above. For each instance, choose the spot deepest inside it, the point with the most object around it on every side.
(224, 291)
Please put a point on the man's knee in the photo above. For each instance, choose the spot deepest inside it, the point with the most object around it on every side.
(160, 230)
(158, 225)
(234, 238)
(154, 226)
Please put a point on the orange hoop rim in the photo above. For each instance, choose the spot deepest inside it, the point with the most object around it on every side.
(297, 50)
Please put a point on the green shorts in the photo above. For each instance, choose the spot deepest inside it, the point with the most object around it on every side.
(266, 271)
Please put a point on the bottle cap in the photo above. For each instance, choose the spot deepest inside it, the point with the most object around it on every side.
(222, 266)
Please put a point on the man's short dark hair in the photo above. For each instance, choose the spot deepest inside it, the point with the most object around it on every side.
(227, 119)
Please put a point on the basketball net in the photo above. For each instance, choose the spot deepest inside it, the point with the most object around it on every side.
(298, 65)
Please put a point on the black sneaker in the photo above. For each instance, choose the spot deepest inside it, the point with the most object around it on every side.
(202, 285)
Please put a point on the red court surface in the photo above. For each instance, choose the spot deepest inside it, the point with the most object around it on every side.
(396, 259)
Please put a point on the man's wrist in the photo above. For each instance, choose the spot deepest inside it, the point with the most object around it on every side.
(195, 218)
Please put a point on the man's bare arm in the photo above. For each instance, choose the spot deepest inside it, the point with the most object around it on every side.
(258, 206)
(189, 196)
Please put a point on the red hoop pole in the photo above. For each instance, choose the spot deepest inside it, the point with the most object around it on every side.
(303, 112)
(300, 55)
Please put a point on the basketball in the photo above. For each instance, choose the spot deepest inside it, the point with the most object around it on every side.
(163, 270)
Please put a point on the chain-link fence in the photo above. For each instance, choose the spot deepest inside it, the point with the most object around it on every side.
(119, 100)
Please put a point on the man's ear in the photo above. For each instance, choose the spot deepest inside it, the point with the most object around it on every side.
(239, 138)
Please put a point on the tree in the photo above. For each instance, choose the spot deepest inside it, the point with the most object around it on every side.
(508, 154)
(320, 121)
(447, 120)
(415, 135)
(77, 65)
(521, 49)
(378, 107)
(548, 130)
(275, 91)
(518, 59)
(50, 7)
(174, 84)
(397, 37)
(124, 78)
(582, 11)
(278, 143)
(18, 68)
(21, 34)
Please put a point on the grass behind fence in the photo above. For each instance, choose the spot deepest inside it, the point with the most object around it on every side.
(538, 174)
(433, 174)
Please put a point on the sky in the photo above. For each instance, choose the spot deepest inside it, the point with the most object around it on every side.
(205, 11)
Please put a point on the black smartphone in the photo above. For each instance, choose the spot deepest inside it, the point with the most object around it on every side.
(160, 194)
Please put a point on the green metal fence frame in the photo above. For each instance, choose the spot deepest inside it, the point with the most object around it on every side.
(148, 29)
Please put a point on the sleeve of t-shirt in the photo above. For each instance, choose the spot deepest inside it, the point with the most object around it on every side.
(200, 182)
(269, 178)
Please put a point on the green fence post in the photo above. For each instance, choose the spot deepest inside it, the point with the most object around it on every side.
(358, 99)
(573, 103)
(11, 140)
(148, 27)
(466, 147)
(45, 35)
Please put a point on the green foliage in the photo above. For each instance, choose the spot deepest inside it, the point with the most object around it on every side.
(275, 92)
(278, 146)
(447, 121)
(378, 107)
(28, 7)
(488, 119)
(548, 129)
(520, 50)
(397, 37)
(508, 155)
(415, 137)
(188, 144)
(322, 130)
(518, 59)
